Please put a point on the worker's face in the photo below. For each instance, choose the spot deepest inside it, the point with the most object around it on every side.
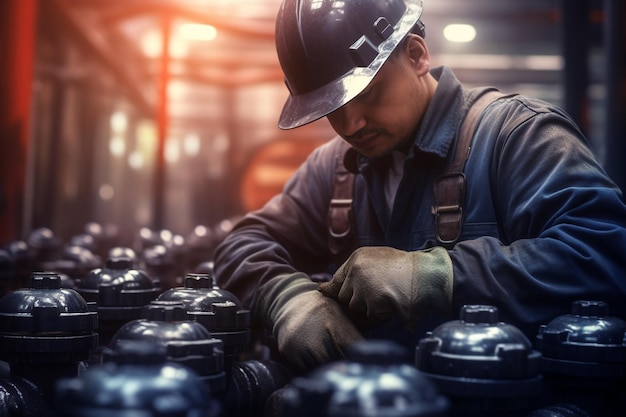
(384, 116)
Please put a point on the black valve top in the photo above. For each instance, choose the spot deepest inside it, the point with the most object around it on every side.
(478, 345)
(378, 383)
(587, 342)
(46, 323)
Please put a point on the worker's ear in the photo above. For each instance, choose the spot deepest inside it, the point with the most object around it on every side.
(417, 51)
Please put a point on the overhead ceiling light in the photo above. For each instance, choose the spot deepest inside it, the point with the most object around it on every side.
(191, 144)
(459, 32)
(118, 122)
(117, 146)
(198, 32)
(106, 192)
(152, 43)
(136, 160)
(172, 150)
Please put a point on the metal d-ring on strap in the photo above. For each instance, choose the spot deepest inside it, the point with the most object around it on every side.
(340, 222)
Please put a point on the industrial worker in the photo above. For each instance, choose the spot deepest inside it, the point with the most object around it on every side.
(538, 224)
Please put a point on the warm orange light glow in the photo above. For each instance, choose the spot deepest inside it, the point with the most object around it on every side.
(119, 122)
(197, 31)
(146, 140)
(136, 160)
(178, 47)
(117, 145)
(191, 144)
(152, 43)
(172, 150)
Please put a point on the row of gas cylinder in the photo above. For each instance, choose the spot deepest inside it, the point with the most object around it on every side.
(164, 255)
(113, 341)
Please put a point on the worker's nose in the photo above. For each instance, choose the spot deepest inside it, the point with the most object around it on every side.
(347, 119)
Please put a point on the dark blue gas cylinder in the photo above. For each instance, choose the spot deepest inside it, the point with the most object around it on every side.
(105, 237)
(160, 263)
(584, 358)
(21, 398)
(249, 382)
(45, 244)
(24, 263)
(484, 366)
(120, 292)
(135, 380)
(123, 252)
(218, 310)
(75, 262)
(374, 380)
(46, 331)
(8, 277)
(560, 410)
(201, 243)
(187, 342)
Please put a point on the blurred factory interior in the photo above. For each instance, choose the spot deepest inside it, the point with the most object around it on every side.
(162, 113)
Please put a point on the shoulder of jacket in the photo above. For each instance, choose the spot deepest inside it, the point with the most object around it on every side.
(520, 107)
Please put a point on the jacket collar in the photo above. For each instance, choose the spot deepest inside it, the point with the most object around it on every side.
(439, 125)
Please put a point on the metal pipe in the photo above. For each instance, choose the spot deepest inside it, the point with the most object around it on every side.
(70, 19)
(615, 103)
(17, 46)
(162, 118)
(575, 39)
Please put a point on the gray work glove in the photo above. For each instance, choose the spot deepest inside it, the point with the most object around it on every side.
(375, 283)
(310, 329)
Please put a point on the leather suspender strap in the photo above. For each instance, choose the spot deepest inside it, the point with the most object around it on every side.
(340, 209)
(449, 188)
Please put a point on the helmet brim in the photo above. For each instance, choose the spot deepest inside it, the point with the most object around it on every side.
(306, 108)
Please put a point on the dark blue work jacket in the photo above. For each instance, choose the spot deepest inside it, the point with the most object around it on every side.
(544, 224)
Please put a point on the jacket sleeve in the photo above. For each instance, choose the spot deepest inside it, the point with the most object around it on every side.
(562, 221)
(287, 235)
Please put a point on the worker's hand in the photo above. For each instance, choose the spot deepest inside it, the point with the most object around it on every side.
(377, 282)
(310, 329)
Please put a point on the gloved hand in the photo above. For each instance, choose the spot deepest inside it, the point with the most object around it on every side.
(375, 283)
(310, 329)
